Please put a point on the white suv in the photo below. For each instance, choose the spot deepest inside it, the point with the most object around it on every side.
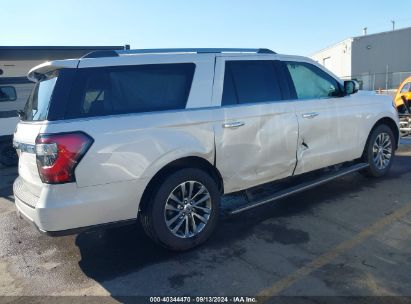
(161, 135)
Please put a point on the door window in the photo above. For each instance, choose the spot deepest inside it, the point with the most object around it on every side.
(311, 82)
(250, 81)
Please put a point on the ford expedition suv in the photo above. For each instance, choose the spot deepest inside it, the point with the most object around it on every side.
(162, 135)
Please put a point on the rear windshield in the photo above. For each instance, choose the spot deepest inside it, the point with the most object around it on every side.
(130, 89)
(37, 105)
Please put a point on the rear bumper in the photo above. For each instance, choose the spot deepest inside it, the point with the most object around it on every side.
(66, 209)
(26, 212)
(21, 214)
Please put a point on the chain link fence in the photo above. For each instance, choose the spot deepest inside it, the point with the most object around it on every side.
(380, 81)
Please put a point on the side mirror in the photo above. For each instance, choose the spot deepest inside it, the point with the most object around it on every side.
(351, 87)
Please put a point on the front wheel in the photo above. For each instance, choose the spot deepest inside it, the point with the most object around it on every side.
(379, 151)
(184, 210)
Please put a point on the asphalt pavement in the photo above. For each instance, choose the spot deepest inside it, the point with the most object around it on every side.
(350, 237)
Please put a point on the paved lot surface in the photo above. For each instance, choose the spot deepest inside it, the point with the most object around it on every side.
(349, 237)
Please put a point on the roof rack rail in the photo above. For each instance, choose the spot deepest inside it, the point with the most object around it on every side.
(116, 53)
(196, 50)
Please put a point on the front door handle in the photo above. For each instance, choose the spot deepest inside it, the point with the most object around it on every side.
(233, 124)
(310, 115)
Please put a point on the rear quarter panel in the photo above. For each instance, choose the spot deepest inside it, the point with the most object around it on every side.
(129, 147)
(136, 146)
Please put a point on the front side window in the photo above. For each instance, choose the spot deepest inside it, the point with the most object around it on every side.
(311, 82)
(250, 81)
(130, 89)
(406, 88)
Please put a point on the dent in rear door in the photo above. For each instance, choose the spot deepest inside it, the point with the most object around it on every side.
(262, 147)
(260, 151)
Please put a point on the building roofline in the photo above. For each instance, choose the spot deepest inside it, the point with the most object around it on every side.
(358, 37)
(382, 33)
(331, 46)
(45, 53)
(97, 47)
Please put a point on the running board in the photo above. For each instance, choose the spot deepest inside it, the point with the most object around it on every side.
(299, 188)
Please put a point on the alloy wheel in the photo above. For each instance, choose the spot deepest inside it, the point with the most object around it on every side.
(382, 151)
(187, 209)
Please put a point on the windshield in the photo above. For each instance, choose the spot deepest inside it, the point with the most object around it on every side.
(38, 103)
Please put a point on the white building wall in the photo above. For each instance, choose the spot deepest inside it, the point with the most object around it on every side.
(378, 61)
(336, 58)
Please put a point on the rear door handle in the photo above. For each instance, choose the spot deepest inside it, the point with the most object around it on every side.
(233, 124)
(310, 115)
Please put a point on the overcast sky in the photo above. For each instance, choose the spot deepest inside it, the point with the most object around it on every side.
(291, 26)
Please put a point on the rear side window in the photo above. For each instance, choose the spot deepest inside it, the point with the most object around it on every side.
(311, 82)
(250, 81)
(38, 103)
(130, 89)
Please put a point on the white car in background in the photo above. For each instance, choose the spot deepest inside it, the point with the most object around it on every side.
(161, 135)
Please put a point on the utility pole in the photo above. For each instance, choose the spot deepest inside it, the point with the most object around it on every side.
(393, 24)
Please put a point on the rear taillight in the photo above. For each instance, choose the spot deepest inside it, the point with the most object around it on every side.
(58, 155)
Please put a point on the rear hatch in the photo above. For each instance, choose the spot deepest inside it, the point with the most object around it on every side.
(34, 117)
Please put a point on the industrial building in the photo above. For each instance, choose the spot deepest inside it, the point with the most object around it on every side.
(377, 61)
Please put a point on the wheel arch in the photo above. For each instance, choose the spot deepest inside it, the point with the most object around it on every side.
(391, 124)
(181, 163)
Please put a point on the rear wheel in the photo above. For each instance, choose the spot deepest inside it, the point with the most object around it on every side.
(379, 152)
(184, 210)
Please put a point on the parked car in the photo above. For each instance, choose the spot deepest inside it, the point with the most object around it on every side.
(161, 135)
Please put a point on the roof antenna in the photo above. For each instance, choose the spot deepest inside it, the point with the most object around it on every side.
(393, 25)
(364, 30)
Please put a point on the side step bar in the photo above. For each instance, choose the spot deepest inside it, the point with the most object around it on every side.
(299, 188)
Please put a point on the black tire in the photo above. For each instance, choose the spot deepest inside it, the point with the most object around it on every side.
(153, 216)
(374, 169)
(8, 155)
